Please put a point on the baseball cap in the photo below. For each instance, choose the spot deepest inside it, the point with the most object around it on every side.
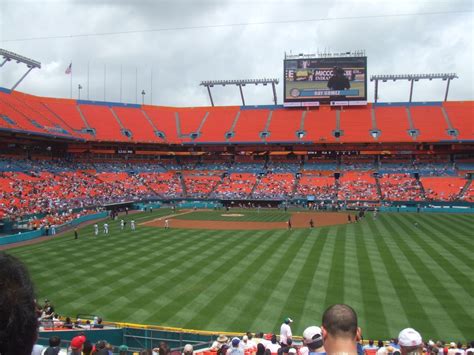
(188, 348)
(235, 341)
(78, 341)
(291, 351)
(288, 320)
(409, 337)
(312, 335)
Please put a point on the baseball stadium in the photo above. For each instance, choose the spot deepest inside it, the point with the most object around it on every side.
(146, 227)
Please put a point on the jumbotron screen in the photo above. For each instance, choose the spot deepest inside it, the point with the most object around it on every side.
(310, 81)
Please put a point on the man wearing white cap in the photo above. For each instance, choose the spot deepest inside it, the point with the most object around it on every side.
(285, 332)
(188, 349)
(410, 342)
(313, 339)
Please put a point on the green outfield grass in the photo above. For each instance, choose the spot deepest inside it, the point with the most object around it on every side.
(394, 273)
(246, 215)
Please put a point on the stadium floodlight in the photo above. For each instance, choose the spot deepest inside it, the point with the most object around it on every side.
(79, 88)
(143, 97)
(240, 83)
(30, 63)
(412, 78)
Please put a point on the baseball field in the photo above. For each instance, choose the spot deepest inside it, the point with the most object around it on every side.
(397, 270)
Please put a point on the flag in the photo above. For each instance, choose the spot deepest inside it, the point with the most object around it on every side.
(69, 69)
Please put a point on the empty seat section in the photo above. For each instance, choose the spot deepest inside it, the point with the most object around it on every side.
(357, 186)
(442, 188)
(356, 124)
(284, 125)
(164, 120)
(430, 122)
(190, 119)
(461, 116)
(22, 122)
(103, 121)
(134, 120)
(321, 187)
(33, 108)
(393, 124)
(319, 125)
(67, 110)
(400, 187)
(16, 102)
(218, 123)
(249, 126)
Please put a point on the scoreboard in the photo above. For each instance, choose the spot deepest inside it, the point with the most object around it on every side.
(334, 80)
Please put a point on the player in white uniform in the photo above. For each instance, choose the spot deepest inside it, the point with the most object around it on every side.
(132, 225)
(106, 228)
(96, 229)
(122, 224)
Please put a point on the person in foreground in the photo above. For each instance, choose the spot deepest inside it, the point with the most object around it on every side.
(410, 342)
(18, 322)
(340, 330)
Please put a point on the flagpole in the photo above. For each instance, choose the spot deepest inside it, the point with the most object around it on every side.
(151, 86)
(88, 72)
(70, 83)
(105, 73)
(120, 82)
(136, 85)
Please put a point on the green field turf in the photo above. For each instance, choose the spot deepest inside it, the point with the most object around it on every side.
(395, 275)
(246, 215)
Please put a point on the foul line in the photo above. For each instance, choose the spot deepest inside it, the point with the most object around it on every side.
(164, 217)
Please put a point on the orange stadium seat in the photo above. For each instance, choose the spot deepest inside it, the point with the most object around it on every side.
(393, 124)
(430, 122)
(319, 125)
(284, 125)
(190, 119)
(67, 111)
(443, 188)
(218, 123)
(356, 124)
(102, 120)
(461, 114)
(249, 126)
(357, 186)
(164, 120)
(135, 121)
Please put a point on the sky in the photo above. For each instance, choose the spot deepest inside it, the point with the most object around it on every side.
(167, 47)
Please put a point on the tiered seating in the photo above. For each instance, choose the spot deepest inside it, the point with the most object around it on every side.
(235, 185)
(134, 120)
(67, 111)
(393, 124)
(322, 188)
(218, 123)
(400, 187)
(164, 184)
(284, 125)
(274, 186)
(190, 119)
(22, 122)
(443, 188)
(430, 122)
(200, 185)
(319, 125)
(102, 120)
(460, 114)
(249, 126)
(356, 124)
(357, 186)
(164, 120)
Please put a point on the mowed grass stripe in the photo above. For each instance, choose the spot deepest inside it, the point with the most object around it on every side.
(298, 295)
(463, 219)
(373, 308)
(449, 228)
(454, 311)
(204, 274)
(128, 271)
(391, 303)
(414, 311)
(445, 264)
(151, 280)
(269, 279)
(225, 294)
(335, 290)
